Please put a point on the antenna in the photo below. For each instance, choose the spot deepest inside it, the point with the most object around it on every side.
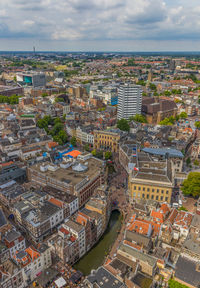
(34, 50)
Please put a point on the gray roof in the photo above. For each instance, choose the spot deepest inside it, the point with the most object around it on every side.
(192, 243)
(74, 225)
(164, 152)
(137, 238)
(12, 236)
(104, 279)
(196, 221)
(3, 220)
(186, 270)
(138, 255)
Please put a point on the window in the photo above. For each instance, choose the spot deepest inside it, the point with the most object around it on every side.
(148, 189)
(134, 194)
(162, 191)
(166, 198)
(139, 188)
(135, 187)
(143, 195)
(147, 196)
(158, 190)
(167, 192)
(161, 198)
(143, 189)
(152, 197)
(138, 195)
(153, 190)
(156, 197)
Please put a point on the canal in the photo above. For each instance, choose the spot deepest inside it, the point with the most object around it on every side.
(95, 257)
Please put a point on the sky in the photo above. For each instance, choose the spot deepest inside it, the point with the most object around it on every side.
(100, 25)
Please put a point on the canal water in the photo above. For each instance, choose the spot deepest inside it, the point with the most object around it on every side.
(95, 257)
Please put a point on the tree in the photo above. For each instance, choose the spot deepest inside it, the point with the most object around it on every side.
(183, 115)
(152, 87)
(108, 155)
(167, 93)
(73, 141)
(94, 152)
(59, 100)
(168, 121)
(196, 162)
(197, 124)
(191, 186)
(123, 125)
(188, 161)
(63, 136)
(138, 118)
(56, 128)
(45, 94)
(87, 147)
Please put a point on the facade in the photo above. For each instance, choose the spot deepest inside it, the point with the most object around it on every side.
(65, 179)
(14, 241)
(106, 140)
(31, 79)
(129, 101)
(12, 172)
(156, 110)
(78, 231)
(151, 180)
(64, 245)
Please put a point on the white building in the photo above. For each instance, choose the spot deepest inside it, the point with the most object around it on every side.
(79, 232)
(14, 241)
(129, 101)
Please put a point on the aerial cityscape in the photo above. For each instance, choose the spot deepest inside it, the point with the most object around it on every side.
(99, 144)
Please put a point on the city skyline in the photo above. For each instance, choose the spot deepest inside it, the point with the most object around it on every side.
(74, 25)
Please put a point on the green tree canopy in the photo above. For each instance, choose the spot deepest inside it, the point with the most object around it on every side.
(183, 115)
(73, 141)
(191, 186)
(123, 125)
(168, 121)
(94, 152)
(138, 118)
(196, 162)
(197, 124)
(108, 155)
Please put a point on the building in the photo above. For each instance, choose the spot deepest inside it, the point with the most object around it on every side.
(79, 178)
(12, 172)
(9, 91)
(187, 272)
(151, 180)
(14, 241)
(78, 231)
(65, 245)
(156, 109)
(39, 217)
(34, 79)
(32, 262)
(102, 278)
(129, 101)
(107, 140)
(128, 254)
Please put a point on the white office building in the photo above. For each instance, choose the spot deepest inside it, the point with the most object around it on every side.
(129, 101)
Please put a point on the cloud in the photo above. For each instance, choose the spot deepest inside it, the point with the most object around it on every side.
(100, 20)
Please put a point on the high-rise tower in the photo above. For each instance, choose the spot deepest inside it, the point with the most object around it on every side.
(129, 101)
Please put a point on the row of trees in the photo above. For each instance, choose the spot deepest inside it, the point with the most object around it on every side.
(14, 99)
(171, 120)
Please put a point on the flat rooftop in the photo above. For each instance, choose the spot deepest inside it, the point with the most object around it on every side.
(68, 175)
